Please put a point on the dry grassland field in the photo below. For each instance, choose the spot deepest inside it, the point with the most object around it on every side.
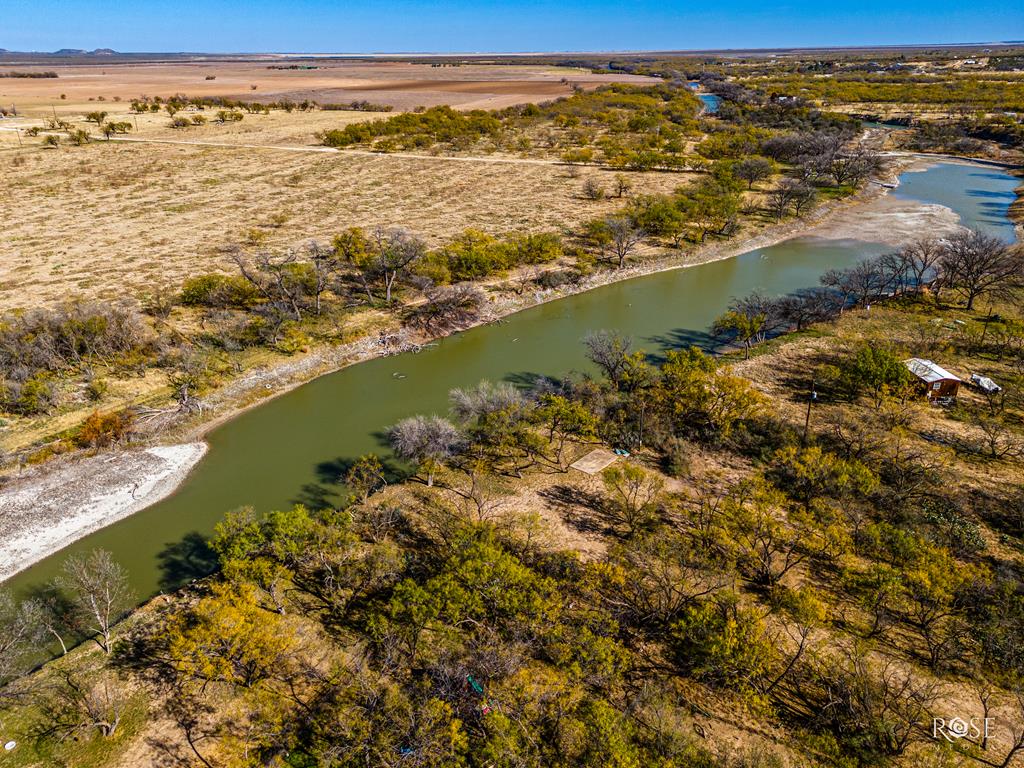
(103, 221)
(109, 219)
(398, 84)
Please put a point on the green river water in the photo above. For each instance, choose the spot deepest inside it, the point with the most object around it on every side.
(295, 447)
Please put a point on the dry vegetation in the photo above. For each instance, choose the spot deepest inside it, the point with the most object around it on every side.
(105, 220)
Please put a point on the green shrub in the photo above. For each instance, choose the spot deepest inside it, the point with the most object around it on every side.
(875, 371)
(216, 290)
(34, 396)
(540, 248)
(435, 125)
(96, 389)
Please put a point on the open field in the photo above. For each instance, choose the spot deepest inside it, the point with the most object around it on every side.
(398, 84)
(106, 220)
(109, 219)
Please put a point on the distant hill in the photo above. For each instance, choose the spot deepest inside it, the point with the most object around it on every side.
(83, 52)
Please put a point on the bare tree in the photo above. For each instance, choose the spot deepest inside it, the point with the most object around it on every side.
(753, 170)
(980, 264)
(996, 438)
(768, 308)
(807, 306)
(665, 575)
(325, 265)
(383, 257)
(396, 251)
(427, 440)
(278, 279)
(20, 631)
(854, 167)
(782, 196)
(804, 196)
(78, 706)
(625, 237)
(623, 185)
(592, 190)
(447, 307)
(860, 284)
(99, 591)
(873, 701)
(1017, 732)
(608, 350)
(921, 260)
(486, 397)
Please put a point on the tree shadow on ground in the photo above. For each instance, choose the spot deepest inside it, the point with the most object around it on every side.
(796, 376)
(579, 509)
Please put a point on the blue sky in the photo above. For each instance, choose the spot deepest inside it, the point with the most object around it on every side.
(496, 25)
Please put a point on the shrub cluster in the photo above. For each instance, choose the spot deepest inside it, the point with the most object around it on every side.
(475, 254)
(37, 346)
(437, 125)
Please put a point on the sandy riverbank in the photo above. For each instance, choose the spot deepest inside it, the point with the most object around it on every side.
(57, 504)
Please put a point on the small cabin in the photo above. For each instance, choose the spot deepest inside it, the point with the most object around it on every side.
(937, 382)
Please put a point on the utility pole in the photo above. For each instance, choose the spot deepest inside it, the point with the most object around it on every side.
(642, 405)
(812, 398)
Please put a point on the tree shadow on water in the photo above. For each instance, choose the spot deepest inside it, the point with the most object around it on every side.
(528, 381)
(679, 338)
(329, 489)
(316, 496)
(182, 561)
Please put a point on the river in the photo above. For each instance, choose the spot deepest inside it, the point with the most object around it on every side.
(295, 448)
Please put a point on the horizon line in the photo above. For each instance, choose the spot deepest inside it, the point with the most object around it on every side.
(578, 52)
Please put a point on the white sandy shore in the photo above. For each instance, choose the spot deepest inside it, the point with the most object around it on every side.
(42, 514)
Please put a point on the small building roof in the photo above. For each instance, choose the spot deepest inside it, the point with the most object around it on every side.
(595, 461)
(928, 371)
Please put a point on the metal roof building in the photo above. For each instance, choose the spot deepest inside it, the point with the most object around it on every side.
(941, 383)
